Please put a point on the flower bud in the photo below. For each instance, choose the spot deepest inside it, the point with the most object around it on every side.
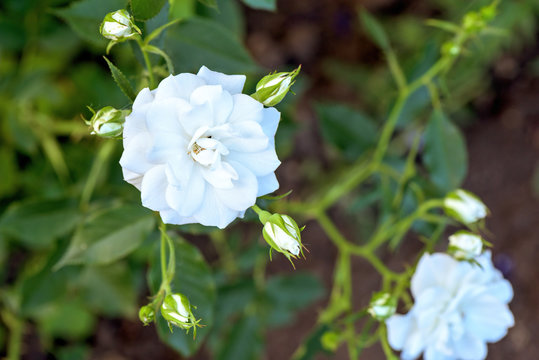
(176, 309)
(146, 314)
(118, 26)
(464, 207)
(271, 89)
(382, 306)
(107, 122)
(464, 245)
(283, 234)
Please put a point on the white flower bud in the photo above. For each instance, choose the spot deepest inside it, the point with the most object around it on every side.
(382, 306)
(271, 89)
(465, 245)
(464, 207)
(108, 122)
(119, 26)
(283, 234)
(176, 309)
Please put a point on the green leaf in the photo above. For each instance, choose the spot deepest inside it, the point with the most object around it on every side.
(85, 17)
(445, 155)
(108, 235)
(347, 129)
(210, 3)
(109, 290)
(146, 9)
(37, 223)
(312, 345)
(244, 341)
(287, 294)
(8, 169)
(270, 5)
(121, 80)
(67, 319)
(199, 41)
(194, 279)
(375, 31)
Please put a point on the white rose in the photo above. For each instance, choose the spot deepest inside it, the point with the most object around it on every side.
(459, 307)
(199, 150)
(465, 245)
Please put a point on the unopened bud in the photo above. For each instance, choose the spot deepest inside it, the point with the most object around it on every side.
(272, 89)
(107, 122)
(464, 245)
(464, 207)
(119, 26)
(176, 310)
(146, 314)
(382, 306)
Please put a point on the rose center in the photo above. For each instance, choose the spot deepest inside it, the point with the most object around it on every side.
(205, 149)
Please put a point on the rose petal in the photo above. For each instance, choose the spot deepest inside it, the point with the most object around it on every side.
(231, 83)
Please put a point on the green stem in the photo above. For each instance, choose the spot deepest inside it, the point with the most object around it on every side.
(148, 63)
(395, 69)
(16, 330)
(382, 331)
(165, 280)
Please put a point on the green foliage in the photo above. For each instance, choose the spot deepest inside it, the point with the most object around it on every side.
(121, 80)
(108, 235)
(374, 29)
(348, 129)
(445, 155)
(38, 223)
(146, 9)
(199, 41)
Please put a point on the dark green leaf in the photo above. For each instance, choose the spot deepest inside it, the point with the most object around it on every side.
(312, 346)
(146, 9)
(287, 294)
(270, 5)
(210, 3)
(108, 235)
(86, 16)
(347, 129)
(445, 155)
(375, 31)
(198, 41)
(67, 319)
(194, 279)
(109, 290)
(244, 342)
(121, 80)
(37, 223)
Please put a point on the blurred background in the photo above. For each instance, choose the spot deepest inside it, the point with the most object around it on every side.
(51, 68)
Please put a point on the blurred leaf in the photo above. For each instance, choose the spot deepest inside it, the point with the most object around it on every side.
(109, 290)
(182, 9)
(287, 294)
(244, 341)
(347, 129)
(445, 154)
(86, 16)
(146, 9)
(37, 223)
(229, 14)
(270, 5)
(210, 3)
(8, 169)
(194, 279)
(375, 31)
(121, 80)
(73, 352)
(199, 41)
(312, 345)
(108, 235)
(67, 319)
